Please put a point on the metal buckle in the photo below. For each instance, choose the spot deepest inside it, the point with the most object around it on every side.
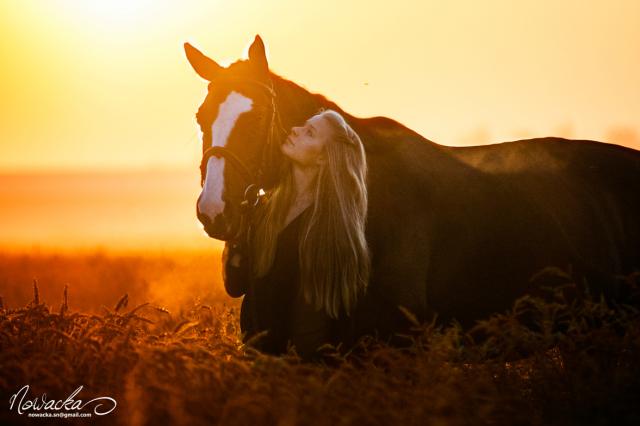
(252, 196)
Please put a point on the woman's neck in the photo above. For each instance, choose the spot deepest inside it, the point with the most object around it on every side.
(303, 182)
(304, 179)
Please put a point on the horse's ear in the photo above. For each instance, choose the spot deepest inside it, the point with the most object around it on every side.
(206, 67)
(257, 56)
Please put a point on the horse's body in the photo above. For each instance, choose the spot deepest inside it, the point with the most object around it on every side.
(460, 232)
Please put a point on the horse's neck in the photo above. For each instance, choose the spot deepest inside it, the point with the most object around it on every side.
(296, 104)
(381, 136)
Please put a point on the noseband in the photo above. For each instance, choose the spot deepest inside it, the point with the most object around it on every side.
(254, 183)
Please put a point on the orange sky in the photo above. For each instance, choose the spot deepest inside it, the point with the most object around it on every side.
(127, 211)
(104, 85)
(90, 84)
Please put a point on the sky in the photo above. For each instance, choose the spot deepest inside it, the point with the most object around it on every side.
(99, 145)
(134, 211)
(104, 85)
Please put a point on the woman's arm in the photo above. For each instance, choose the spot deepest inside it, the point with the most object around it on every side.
(235, 271)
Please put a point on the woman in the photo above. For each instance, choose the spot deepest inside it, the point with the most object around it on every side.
(306, 261)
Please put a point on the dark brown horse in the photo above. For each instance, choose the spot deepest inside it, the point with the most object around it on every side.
(458, 232)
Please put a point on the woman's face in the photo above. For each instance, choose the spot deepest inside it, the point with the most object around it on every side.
(305, 144)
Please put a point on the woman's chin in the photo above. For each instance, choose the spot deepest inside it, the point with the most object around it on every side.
(285, 152)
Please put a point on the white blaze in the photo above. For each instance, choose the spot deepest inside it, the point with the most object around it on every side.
(211, 202)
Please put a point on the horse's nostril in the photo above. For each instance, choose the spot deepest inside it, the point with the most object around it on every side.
(204, 219)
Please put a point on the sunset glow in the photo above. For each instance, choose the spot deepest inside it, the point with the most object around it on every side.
(320, 212)
(105, 86)
(113, 13)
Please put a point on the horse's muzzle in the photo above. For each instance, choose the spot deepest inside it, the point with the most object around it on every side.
(218, 228)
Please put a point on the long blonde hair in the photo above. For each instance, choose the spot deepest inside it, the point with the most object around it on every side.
(333, 252)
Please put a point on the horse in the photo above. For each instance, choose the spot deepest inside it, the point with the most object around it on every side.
(455, 233)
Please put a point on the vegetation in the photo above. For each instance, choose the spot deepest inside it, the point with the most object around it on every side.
(557, 359)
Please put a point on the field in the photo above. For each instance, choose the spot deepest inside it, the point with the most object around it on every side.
(158, 334)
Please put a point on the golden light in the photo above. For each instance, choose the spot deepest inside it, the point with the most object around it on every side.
(102, 89)
(114, 15)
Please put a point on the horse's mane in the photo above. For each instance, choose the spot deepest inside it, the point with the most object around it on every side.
(373, 130)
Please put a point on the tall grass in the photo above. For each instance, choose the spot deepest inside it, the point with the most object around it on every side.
(557, 359)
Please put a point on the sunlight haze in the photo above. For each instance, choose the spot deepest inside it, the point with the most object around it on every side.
(90, 84)
(104, 86)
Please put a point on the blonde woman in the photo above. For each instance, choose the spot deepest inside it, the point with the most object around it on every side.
(306, 262)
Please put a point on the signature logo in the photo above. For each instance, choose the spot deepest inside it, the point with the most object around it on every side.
(23, 404)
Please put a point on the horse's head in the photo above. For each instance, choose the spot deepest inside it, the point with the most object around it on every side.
(241, 137)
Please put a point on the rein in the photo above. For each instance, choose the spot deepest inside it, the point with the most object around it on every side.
(219, 152)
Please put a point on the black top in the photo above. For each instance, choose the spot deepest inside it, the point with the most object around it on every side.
(275, 303)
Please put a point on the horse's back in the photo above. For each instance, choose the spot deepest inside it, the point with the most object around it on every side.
(581, 184)
(535, 203)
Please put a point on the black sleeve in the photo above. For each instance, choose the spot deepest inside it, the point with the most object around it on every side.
(236, 278)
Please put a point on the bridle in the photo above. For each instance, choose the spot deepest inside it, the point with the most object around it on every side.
(255, 183)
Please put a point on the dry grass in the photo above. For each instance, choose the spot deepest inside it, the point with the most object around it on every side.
(557, 361)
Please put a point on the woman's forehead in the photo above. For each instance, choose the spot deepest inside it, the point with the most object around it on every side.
(320, 123)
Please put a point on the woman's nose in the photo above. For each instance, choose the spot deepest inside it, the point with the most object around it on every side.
(294, 131)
